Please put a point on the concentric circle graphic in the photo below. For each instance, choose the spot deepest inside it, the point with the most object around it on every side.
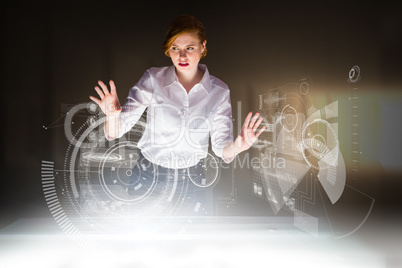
(121, 174)
(206, 173)
(109, 188)
(320, 144)
(289, 118)
(354, 74)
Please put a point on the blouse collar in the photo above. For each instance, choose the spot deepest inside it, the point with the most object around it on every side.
(205, 80)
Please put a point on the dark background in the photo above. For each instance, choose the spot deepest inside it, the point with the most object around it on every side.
(53, 54)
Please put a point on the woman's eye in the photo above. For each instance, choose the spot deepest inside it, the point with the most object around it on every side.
(175, 48)
(190, 48)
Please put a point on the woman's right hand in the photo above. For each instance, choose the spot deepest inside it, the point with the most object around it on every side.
(108, 102)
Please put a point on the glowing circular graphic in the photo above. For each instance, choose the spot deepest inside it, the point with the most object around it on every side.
(92, 120)
(354, 74)
(108, 189)
(320, 144)
(93, 136)
(289, 118)
(92, 107)
(118, 175)
(305, 85)
(304, 88)
(205, 173)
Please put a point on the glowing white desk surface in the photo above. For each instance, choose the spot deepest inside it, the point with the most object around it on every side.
(196, 242)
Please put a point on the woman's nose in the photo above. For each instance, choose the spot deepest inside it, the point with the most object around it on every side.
(183, 53)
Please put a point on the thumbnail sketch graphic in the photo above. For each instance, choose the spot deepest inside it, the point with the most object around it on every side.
(306, 137)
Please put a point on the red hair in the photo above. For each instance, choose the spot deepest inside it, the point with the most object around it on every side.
(181, 25)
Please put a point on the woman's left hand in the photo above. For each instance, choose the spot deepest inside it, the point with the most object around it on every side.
(249, 134)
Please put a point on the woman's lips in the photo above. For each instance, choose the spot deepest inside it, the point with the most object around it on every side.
(183, 64)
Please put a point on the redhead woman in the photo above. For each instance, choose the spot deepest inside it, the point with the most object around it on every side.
(186, 106)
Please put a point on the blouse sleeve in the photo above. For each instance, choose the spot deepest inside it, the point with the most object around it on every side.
(222, 126)
(139, 98)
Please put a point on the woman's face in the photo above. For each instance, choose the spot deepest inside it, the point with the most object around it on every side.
(185, 52)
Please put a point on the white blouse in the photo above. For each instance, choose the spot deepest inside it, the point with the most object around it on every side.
(179, 124)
